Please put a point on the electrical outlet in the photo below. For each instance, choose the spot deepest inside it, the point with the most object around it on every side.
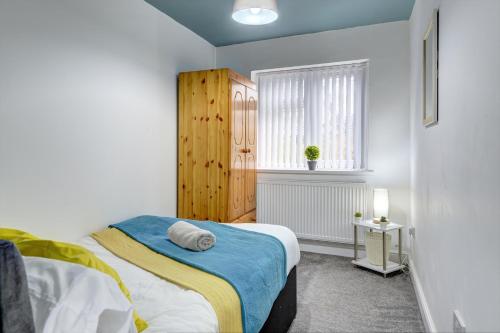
(458, 323)
(411, 231)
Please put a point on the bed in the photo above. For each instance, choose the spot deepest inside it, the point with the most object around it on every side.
(168, 307)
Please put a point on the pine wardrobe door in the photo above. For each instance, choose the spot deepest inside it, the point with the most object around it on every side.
(237, 172)
(251, 149)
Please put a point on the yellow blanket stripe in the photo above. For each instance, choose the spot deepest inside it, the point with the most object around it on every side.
(32, 246)
(219, 293)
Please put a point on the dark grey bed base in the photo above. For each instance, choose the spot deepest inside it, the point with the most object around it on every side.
(284, 308)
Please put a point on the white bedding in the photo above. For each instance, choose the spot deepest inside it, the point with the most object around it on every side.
(169, 308)
(61, 302)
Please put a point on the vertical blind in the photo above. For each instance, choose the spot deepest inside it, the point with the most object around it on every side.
(321, 106)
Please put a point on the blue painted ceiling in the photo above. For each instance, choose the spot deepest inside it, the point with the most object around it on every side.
(212, 20)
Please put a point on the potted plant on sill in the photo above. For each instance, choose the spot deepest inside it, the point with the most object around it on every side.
(358, 216)
(312, 155)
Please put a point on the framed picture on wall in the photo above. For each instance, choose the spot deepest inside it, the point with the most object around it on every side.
(430, 70)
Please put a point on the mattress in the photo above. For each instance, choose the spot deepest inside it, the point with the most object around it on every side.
(169, 308)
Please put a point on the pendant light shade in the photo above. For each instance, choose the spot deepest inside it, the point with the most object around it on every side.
(255, 12)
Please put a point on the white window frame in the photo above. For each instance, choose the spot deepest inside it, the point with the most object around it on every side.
(254, 77)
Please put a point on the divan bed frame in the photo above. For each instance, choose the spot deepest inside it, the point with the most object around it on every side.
(284, 308)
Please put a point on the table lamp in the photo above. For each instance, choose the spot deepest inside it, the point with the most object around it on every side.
(380, 202)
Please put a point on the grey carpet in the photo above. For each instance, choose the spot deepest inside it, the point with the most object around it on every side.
(334, 296)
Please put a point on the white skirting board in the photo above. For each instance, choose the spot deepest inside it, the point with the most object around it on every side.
(422, 301)
(334, 249)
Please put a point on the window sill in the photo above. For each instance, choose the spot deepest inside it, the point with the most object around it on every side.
(364, 172)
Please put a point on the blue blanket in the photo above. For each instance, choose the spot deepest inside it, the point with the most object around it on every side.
(253, 263)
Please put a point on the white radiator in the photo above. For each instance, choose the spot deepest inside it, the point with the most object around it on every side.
(313, 210)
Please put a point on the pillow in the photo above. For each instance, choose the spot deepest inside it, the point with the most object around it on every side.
(68, 297)
(29, 245)
(15, 235)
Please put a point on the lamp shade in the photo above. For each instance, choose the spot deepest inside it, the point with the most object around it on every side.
(380, 202)
(255, 12)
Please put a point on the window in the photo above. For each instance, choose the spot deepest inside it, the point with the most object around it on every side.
(322, 105)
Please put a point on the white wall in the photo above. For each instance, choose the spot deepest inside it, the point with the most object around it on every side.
(455, 166)
(387, 47)
(88, 112)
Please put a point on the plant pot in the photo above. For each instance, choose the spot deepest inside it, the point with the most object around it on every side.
(358, 219)
(383, 224)
(312, 165)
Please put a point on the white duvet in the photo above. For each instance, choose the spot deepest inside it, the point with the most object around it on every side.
(61, 301)
(169, 308)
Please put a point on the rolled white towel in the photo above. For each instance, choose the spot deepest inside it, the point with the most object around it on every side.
(191, 237)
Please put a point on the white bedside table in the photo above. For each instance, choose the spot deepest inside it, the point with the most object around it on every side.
(387, 266)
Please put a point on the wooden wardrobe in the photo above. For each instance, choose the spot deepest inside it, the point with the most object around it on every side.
(216, 146)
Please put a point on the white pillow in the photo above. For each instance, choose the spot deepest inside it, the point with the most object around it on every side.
(68, 297)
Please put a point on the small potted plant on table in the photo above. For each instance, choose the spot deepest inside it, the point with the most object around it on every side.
(384, 221)
(312, 155)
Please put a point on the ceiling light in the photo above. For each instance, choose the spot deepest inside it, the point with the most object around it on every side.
(255, 12)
